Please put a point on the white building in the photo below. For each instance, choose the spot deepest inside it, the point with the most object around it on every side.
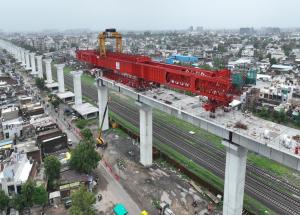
(15, 173)
(12, 128)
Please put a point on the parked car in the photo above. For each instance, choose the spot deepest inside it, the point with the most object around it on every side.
(70, 143)
(68, 203)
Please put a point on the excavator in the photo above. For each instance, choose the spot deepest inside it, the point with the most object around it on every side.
(100, 140)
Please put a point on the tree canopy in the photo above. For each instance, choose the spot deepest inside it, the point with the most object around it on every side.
(40, 83)
(84, 158)
(30, 195)
(82, 202)
(52, 169)
(27, 191)
(40, 196)
(87, 134)
(4, 200)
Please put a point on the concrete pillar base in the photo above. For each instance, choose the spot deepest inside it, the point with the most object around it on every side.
(145, 134)
(102, 102)
(48, 70)
(235, 171)
(77, 86)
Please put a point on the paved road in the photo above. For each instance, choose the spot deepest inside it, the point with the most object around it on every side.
(64, 123)
(114, 193)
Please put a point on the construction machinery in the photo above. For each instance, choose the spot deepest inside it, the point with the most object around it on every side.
(141, 73)
(100, 140)
(109, 33)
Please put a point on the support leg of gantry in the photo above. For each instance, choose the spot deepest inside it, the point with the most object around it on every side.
(102, 102)
(235, 171)
(145, 134)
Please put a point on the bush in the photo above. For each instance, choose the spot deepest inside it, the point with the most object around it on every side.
(81, 123)
(40, 83)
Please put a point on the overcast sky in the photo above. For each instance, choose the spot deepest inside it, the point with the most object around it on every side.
(35, 15)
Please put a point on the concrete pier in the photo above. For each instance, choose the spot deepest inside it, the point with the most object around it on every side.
(33, 67)
(77, 87)
(23, 57)
(19, 55)
(60, 77)
(48, 70)
(235, 171)
(27, 60)
(102, 102)
(145, 134)
(22, 60)
(39, 66)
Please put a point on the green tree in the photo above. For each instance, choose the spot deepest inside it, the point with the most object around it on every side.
(52, 169)
(52, 49)
(40, 83)
(82, 202)
(87, 134)
(4, 200)
(55, 102)
(280, 116)
(27, 191)
(273, 61)
(40, 196)
(18, 202)
(84, 158)
(264, 113)
(287, 48)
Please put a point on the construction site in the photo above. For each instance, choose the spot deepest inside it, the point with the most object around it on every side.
(175, 137)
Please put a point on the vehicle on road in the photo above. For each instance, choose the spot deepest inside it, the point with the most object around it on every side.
(119, 209)
(68, 203)
(70, 143)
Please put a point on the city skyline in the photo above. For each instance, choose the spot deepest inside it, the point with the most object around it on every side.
(32, 15)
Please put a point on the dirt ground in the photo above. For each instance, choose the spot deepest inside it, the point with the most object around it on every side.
(60, 210)
(149, 186)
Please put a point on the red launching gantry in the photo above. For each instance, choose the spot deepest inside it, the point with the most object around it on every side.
(140, 72)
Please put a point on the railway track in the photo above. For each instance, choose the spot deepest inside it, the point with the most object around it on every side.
(275, 193)
(287, 204)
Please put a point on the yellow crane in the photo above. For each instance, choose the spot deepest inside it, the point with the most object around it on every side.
(109, 33)
(100, 141)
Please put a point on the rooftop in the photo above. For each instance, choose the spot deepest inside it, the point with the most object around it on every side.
(66, 94)
(18, 169)
(52, 85)
(85, 109)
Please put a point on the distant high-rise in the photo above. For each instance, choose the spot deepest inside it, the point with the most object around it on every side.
(246, 31)
(199, 28)
(191, 28)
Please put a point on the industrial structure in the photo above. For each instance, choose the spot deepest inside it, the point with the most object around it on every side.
(143, 72)
(140, 72)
